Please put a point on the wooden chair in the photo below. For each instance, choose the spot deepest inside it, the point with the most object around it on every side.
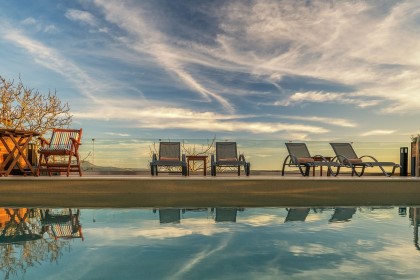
(65, 143)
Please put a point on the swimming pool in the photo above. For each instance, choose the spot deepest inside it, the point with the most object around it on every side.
(210, 243)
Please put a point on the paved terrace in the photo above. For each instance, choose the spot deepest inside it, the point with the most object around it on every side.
(166, 190)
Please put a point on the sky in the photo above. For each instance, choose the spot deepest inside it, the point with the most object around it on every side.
(187, 69)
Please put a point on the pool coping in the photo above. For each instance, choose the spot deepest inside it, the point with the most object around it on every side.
(199, 191)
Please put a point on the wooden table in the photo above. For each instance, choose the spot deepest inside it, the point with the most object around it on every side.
(197, 158)
(16, 148)
(320, 168)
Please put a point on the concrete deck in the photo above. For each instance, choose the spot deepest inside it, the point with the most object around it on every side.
(198, 191)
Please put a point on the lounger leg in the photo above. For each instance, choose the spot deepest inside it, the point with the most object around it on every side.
(331, 172)
(284, 165)
(307, 170)
(239, 170)
(353, 170)
(358, 174)
(386, 173)
(393, 170)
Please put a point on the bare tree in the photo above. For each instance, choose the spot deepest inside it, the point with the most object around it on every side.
(26, 108)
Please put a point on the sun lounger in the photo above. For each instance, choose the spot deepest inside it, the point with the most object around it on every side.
(169, 156)
(300, 157)
(227, 156)
(346, 155)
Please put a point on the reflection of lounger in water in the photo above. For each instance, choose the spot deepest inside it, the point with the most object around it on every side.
(169, 216)
(343, 214)
(226, 214)
(297, 214)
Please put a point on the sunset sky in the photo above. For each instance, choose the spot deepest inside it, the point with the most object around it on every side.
(293, 70)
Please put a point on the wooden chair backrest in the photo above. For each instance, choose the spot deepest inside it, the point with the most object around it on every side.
(60, 137)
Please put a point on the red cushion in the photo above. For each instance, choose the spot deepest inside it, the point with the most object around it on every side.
(353, 161)
(228, 159)
(305, 160)
(169, 159)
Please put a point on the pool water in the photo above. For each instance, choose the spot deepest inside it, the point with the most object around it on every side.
(210, 243)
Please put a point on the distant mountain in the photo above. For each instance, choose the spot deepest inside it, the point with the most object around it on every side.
(89, 167)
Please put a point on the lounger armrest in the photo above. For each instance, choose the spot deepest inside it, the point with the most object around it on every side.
(342, 159)
(371, 157)
(375, 160)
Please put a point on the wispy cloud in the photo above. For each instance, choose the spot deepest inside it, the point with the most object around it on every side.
(39, 26)
(29, 21)
(268, 40)
(52, 59)
(330, 97)
(323, 41)
(332, 120)
(176, 118)
(146, 39)
(378, 132)
(117, 134)
(81, 16)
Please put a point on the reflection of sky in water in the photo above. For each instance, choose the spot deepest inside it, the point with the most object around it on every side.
(369, 243)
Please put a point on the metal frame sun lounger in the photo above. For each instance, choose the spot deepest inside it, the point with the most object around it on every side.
(346, 155)
(169, 156)
(300, 157)
(227, 156)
